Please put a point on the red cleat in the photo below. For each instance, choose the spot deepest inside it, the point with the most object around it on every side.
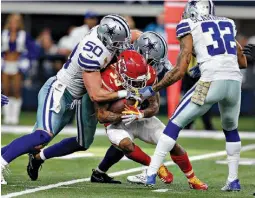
(165, 175)
(195, 183)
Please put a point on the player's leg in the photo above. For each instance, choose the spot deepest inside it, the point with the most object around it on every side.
(86, 126)
(186, 112)
(51, 118)
(112, 156)
(148, 130)
(229, 110)
(123, 139)
(41, 135)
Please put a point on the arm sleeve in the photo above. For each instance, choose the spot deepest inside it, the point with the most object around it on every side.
(88, 64)
(183, 28)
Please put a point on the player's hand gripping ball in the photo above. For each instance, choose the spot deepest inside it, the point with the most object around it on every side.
(131, 114)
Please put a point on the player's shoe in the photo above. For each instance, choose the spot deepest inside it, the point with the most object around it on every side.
(165, 175)
(232, 186)
(3, 169)
(151, 180)
(33, 167)
(98, 177)
(137, 179)
(195, 183)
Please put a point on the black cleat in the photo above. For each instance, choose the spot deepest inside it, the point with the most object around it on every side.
(98, 177)
(33, 167)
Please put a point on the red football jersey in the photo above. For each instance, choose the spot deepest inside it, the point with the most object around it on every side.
(111, 83)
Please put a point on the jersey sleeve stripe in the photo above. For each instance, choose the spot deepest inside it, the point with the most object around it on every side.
(183, 31)
(88, 61)
(88, 67)
(182, 25)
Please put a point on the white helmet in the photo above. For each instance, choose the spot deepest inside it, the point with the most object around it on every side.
(198, 8)
(114, 32)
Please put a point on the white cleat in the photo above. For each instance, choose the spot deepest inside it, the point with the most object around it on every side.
(3, 172)
(137, 179)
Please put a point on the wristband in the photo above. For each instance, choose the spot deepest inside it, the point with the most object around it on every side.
(122, 94)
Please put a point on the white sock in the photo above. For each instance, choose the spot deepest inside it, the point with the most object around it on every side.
(98, 169)
(3, 162)
(42, 156)
(16, 110)
(233, 151)
(165, 144)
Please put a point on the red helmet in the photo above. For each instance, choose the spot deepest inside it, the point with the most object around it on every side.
(132, 70)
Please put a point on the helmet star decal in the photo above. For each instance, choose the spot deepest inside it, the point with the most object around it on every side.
(150, 46)
(193, 3)
(110, 30)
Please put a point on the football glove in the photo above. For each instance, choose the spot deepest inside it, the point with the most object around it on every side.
(194, 72)
(130, 114)
(4, 100)
(249, 52)
(146, 92)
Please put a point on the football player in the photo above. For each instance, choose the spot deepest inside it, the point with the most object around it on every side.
(220, 59)
(154, 48)
(60, 97)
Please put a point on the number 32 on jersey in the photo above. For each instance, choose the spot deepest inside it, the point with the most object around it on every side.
(222, 34)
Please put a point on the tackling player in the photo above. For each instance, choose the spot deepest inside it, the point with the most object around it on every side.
(154, 48)
(60, 97)
(220, 59)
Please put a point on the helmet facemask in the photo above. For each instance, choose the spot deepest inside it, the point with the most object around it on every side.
(127, 82)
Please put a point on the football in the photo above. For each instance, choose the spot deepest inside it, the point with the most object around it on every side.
(119, 105)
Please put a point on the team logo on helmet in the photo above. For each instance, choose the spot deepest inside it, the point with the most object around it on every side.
(150, 45)
(110, 30)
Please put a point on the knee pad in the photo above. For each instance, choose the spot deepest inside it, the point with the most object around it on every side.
(232, 136)
(229, 123)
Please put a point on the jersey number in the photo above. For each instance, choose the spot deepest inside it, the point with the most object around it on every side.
(224, 42)
(90, 46)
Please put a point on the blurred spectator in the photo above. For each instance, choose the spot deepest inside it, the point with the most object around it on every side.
(90, 20)
(130, 21)
(65, 43)
(17, 50)
(48, 46)
(158, 26)
(249, 73)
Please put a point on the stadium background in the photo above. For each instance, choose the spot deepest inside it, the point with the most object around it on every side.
(57, 17)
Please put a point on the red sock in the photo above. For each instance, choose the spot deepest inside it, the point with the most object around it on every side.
(184, 164)
(139, 156)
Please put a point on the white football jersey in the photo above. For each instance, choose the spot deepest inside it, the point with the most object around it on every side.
(89, 55)
(214, 46)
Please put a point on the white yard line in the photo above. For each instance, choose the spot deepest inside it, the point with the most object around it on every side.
(132, 170)
(100, 131)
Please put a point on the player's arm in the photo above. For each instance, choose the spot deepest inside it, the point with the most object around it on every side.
(93, 83)
(182, 64)
(105, 116)
(153, 106)
(241, 57)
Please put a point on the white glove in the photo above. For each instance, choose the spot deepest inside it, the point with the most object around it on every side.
(131, 114)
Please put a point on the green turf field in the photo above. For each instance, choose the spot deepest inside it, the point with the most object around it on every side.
(245, 123)
(59, 170)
